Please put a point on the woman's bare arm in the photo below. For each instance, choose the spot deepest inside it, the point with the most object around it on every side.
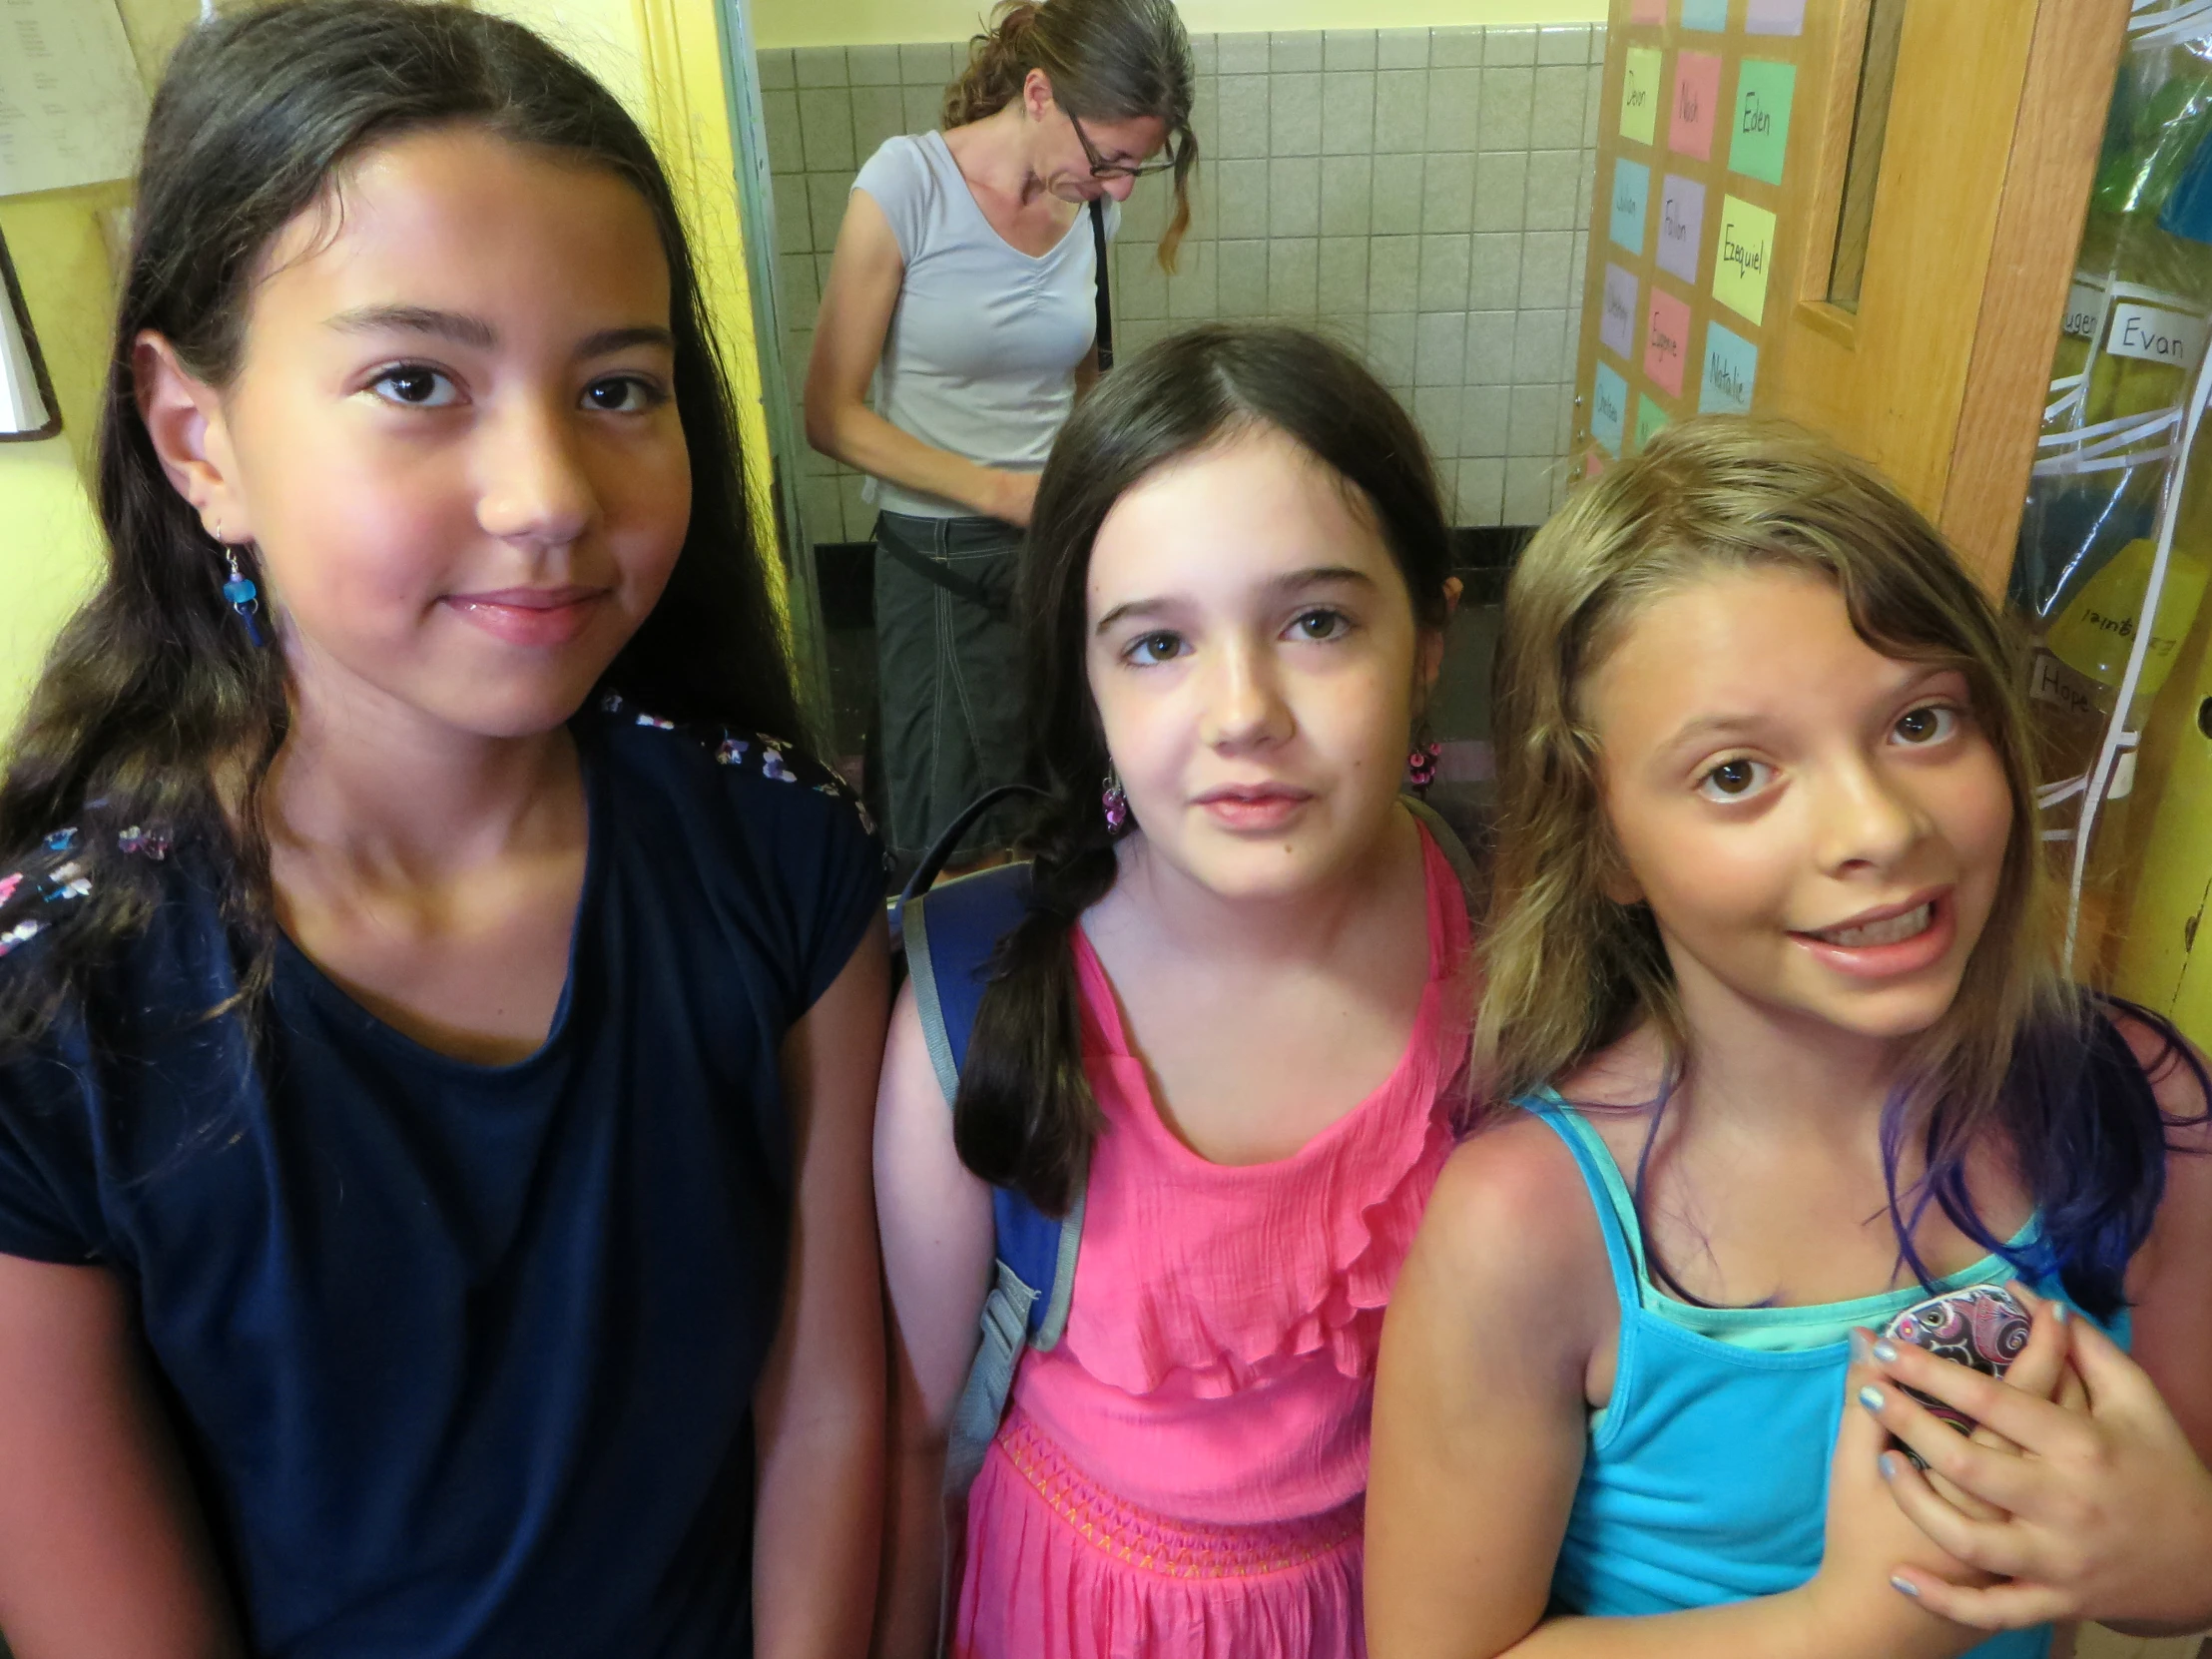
(102, 1554)
(866, 273)
(819, 1404)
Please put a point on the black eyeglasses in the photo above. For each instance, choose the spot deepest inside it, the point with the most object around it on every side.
(1101, 167)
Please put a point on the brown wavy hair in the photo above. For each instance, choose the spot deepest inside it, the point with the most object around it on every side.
(1109, 60)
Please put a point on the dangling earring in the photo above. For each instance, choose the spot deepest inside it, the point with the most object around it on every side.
(1116, 802)
(1420, 760)
(240, 592)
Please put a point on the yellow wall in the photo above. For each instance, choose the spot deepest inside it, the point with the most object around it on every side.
(49, 541)
(876, 22)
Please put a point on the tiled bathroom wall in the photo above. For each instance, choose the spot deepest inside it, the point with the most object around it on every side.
(1422, 194)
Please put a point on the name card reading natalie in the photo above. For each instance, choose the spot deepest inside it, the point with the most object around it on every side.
(1744, 257)
(1731, 371)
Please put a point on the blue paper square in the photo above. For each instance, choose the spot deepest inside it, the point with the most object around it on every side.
(1709, 15)
(1608, 409)
(1731, 369)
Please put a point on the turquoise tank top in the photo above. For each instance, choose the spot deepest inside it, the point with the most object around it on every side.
(1706, 1477)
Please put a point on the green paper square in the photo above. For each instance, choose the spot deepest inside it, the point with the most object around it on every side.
(1760, 139)
(1650, 417)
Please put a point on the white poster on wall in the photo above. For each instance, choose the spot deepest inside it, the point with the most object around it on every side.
(72, 107)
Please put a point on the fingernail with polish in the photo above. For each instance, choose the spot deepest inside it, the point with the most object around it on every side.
(1886, 1351)
(1904, 1586)
(1886, 1465)
(2062, 1313)
(1862, 1346)
(1871, 1398)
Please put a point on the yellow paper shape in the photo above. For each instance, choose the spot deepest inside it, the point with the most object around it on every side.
(1744, 257)
(1640, 95)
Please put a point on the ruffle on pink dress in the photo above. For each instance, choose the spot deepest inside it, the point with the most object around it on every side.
(1180, 1477)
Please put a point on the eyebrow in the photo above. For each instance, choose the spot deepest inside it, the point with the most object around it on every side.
(1288, 583)
(1707, 728)
(475, 332)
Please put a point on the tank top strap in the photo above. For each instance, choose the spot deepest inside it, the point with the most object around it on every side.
(1609, 1194)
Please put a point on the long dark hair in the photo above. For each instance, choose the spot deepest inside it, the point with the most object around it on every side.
(1024, 1116)
(1110, 60)
(154, 712)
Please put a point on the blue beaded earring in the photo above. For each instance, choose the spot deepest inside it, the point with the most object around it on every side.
(240, 591)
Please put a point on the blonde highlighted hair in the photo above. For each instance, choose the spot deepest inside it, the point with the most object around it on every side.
(1569, 969)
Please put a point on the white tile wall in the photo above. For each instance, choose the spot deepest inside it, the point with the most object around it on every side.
(1419, 195)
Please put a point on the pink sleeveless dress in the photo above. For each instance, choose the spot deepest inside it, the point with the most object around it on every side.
(1183, 1475)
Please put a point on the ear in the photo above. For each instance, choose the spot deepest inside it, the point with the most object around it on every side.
(1036, 94)
(1431, 662)
(184, 423)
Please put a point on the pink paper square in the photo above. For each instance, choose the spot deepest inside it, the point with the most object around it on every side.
(1666, 340)
(1647, 11)
(1697, 95)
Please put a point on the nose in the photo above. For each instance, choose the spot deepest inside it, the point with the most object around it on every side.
(1867, 823)
(1245, 707)
(533, 488)
(1119, 188)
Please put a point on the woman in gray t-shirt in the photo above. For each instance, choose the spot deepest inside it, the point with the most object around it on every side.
(962, 301)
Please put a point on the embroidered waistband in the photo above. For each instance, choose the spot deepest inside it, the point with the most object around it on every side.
(1159, 1543)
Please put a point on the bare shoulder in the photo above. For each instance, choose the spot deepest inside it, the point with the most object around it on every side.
(1511, 1224)
(2176, 1073)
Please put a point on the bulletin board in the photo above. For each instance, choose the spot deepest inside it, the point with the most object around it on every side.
(1702, 193)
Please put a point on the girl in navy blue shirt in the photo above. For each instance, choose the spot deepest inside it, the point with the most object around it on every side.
(437, 1026)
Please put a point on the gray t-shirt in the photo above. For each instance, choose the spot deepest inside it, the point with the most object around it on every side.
(983, 348)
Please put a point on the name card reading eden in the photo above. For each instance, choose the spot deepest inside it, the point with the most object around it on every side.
(1731, 371)
(1697, 93)
(1681, 225)
(1616, 324)
(1744, 258)
(1631, 196)
(1666, 340)
(1640, 94)
(1761, 138)
(1608, 409)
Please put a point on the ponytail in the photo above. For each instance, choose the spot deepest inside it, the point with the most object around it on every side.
(1109, 60)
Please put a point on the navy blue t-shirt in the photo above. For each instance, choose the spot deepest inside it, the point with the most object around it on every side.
(462, 1356)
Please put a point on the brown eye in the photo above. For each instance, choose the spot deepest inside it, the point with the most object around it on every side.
(1736, 780)
(1931, 722)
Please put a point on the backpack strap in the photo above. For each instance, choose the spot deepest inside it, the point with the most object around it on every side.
(951, 932)
(1455, 850)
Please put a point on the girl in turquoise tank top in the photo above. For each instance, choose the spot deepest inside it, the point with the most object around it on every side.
(1777, 1043)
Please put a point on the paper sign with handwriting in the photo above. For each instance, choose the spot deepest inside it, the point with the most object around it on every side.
(1616, 324)
(1631, 196)
(1697, 90)
(1650, 419)
(1608, 409)
(1761, 138)
(1681, 227)
(1666, 340)
(1742, 258)
(1775, 17)
(1709, 15)
(1640, 94)
(1731, 369)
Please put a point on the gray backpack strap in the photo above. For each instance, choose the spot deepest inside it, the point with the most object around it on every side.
(1454, 848)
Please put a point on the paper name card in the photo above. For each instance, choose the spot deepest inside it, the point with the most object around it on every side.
(2155, 335)
(1651, 419)
(1744, 258)
(1631, 196)
(1708, 15)
(1731, 372)
(72, 107)
(1666, 340)
(1697, 93)
(1616, 324)
(1775, 17)
(1640, 94)
(1681, 227)
(1647, 11)
(1609, 409)
(1760, 140)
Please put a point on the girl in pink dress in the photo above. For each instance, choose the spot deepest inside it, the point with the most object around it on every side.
(1231, 1024)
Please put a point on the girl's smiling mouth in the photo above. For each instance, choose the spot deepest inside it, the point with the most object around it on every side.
(1889, 939)
(530, 616)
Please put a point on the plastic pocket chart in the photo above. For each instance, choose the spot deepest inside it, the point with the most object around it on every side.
(72, 106)
(1698, 223)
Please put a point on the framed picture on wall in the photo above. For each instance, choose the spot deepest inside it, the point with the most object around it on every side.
(27, 408)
